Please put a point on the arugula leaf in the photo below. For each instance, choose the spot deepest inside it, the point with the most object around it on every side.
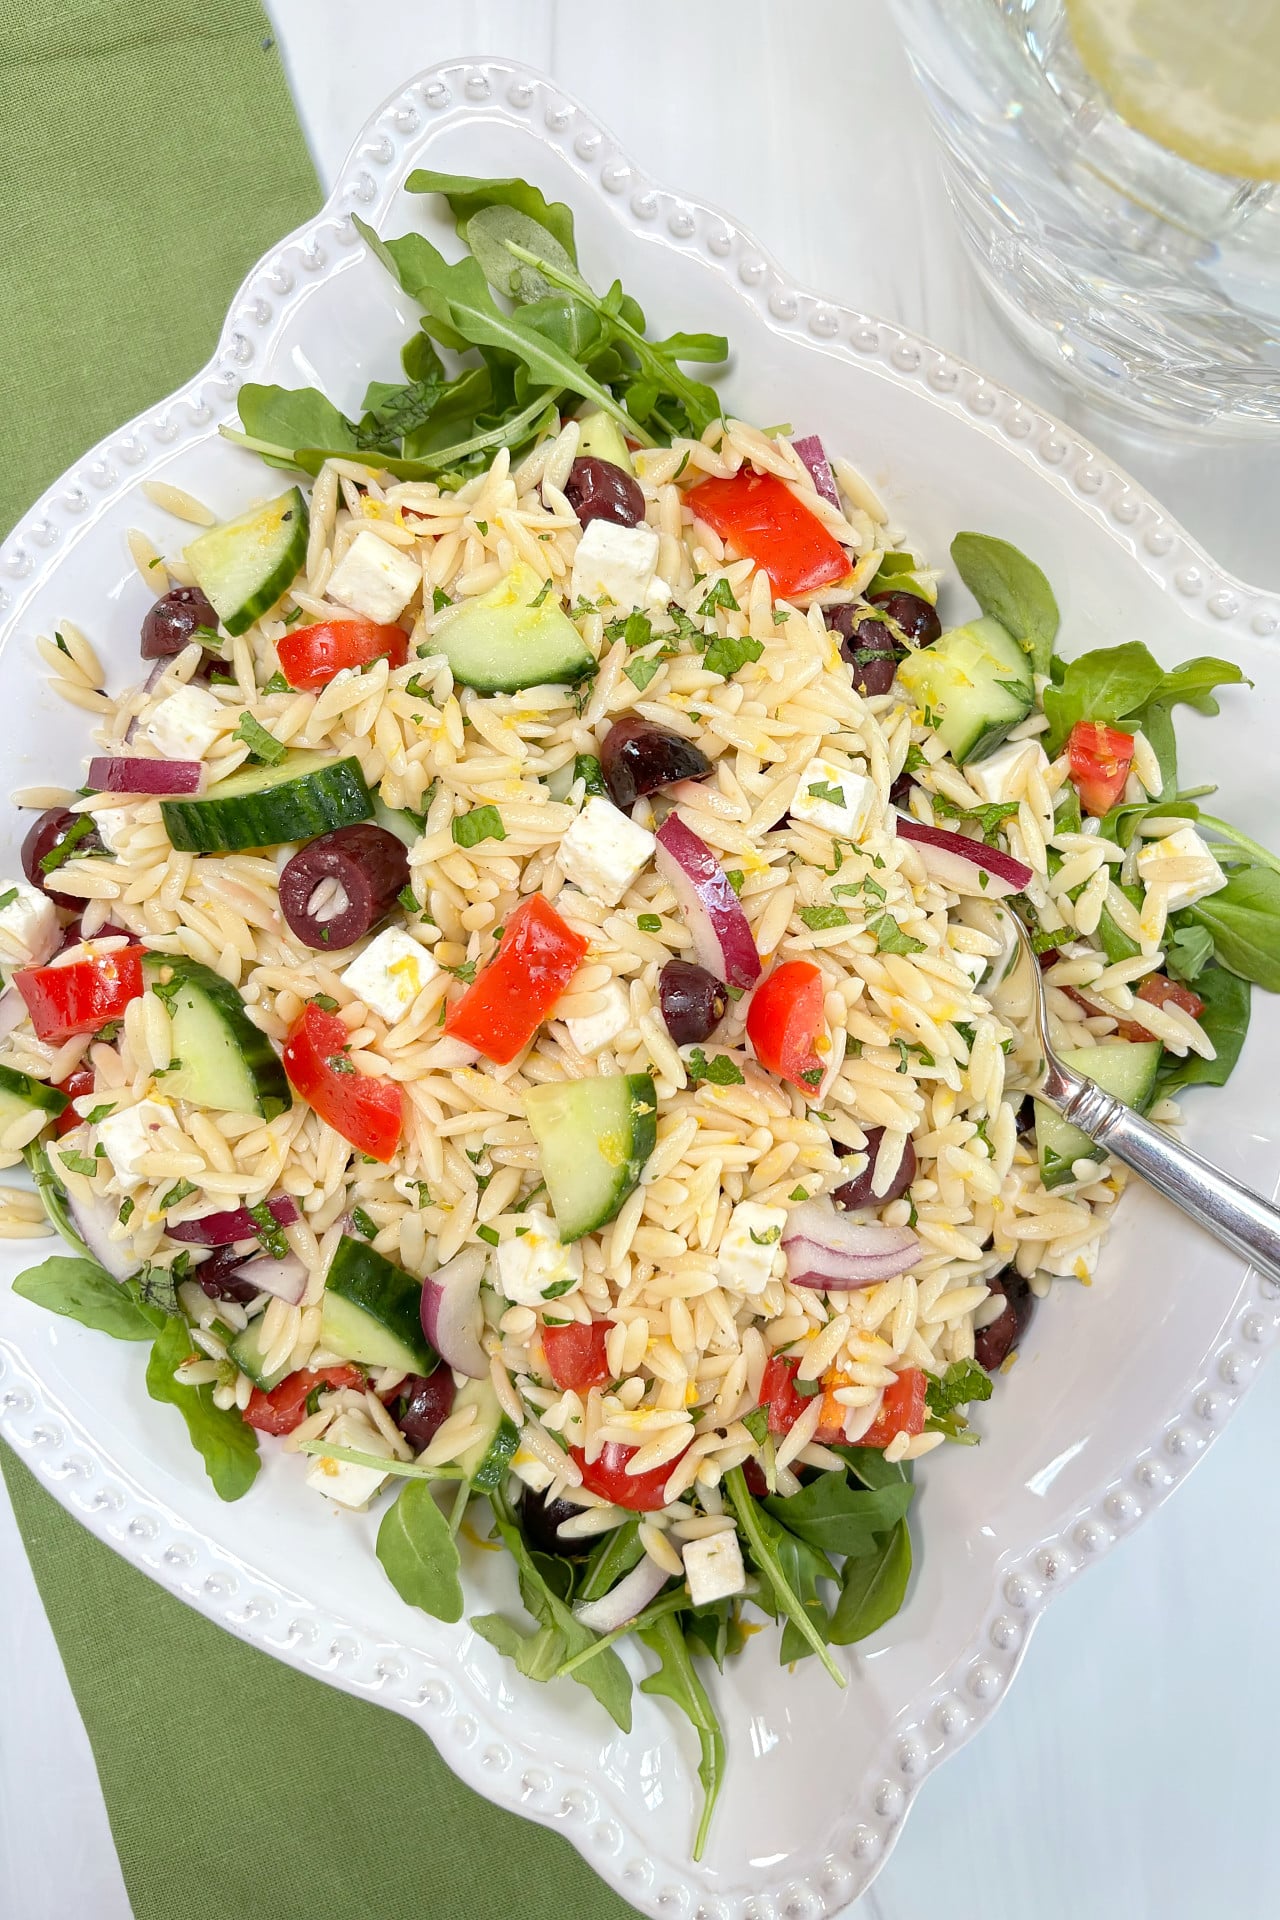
(1243, 919)
(1187, 952)
(82, 1290)
(1226, 1021)
(487, 234)
(677, 1680)
(228, 1447)
(419, 1554)
(1127, 685)
(839, 1519)
(467, 194)
(769, 1543)
(614, 1554)
(871, 1467)
(872, 1588)
(945, 1394)
(1009, 588)
(288, 419)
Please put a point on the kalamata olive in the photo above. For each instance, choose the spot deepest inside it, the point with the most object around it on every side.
(171, 623)
(993, 1343)
(638, 757)
(422, 1404)
(914, 618)
(598, 490)
(219, 1277)
(900, 791)
(867, 644)
(540, 1522)
(693, 1001)
(48, 833)
(857, 1192)
(336, 888)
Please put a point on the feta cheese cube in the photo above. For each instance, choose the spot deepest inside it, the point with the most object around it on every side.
(113, 823)
(835, 799)
(974, 964)
(129, 1133)
(1001, 775)
(375, 579)
(534, 1473)
(1161, 864)
(185, 726)
(342, 1480)
(29, 931)
(604, 850)
(615, 563)
(596, 1030)
(535, 1268)
(390, 974)
(713, 1567)
(750, 1246)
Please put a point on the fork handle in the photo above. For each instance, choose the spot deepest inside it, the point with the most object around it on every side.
(1230, 1211)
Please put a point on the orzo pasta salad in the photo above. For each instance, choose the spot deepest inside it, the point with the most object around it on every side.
(522, 1006)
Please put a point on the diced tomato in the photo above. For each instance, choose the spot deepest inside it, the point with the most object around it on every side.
(83, 995)
(537, 957)
(575, 1355)
(1099, 759)
(608, 1477)
(901, 1409)
(311, 656)
(762, 518)
(1124, 1029)
(365, 1109)
(1159, 992)
(81, 1081)
(285, 1407)
(784, 1023)
(778, 1393)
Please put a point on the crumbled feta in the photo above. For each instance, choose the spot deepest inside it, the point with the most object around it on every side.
(974, 964)
(750, 1246)
(713, 1567)
(374, 578)
(845, 816)
(535, 1473)
(596, 1030)
(1157, 855)
(604, 851)
(615, 563)
(1001, 774)
(390, 974)
(342, 1480)
(29, 930)
(185, 726)
(129, 1133)
(112, 824)
(533, 1267)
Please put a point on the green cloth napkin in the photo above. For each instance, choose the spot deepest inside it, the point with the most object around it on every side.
(150, 152)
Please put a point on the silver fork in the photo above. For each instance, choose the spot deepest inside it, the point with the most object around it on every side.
(1232, 1213)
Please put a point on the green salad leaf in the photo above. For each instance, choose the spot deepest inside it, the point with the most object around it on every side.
(1011, 589)
(839, 1519)
(419, 1554)
(82, 1290)
(228, 1447)
(1243, 920)
(872, 1588)
(1226, 1021)
(781, 1559)
(677, 1680)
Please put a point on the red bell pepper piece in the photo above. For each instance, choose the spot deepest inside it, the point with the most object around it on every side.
(285, 1407)
(365, 1109)
(608, 1477)
(81, 1081)
(762, 518)
(311, 656)
(83, 995)
(1159, 992)
(1099, 759)
(784, 1023)
(575, 1355)
(901, 1409)
(778, 1393)
(537, 957)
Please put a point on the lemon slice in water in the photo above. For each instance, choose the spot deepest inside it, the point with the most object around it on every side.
(1203, 80)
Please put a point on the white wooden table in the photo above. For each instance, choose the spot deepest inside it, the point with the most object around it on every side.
(1129, 1775)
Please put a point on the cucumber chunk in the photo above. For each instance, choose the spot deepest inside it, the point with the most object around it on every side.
(305, 794)
(486, 1462)
(21, 1095)
(975, 682)
(248, 1352)
(394, 820)
(372, 1311)
(602, 438)
(226, 1063)
(244, 566)
(510, 638)
(1126, 1068)
(594, 1137)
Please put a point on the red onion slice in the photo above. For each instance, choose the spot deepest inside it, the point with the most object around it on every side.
(285, 1279)
(623, 1602)
(129, 773)
(722, 937)
(149, 685)
(957, 862)
(834, 1253)
(451, 1316)
(93, 1221)
(221, 1229)
(13, 1011)
(814, 455)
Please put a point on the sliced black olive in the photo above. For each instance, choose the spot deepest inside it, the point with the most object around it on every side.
(48, 833)
(170, 625)
(541, 1520)
(868, 646)
(598, 490)
(423, 1404)
(993, 1343)
(914, 618)
(219, 1275)
(638, 757)
(857, 1192)
(336, 888)
(693, 1001)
